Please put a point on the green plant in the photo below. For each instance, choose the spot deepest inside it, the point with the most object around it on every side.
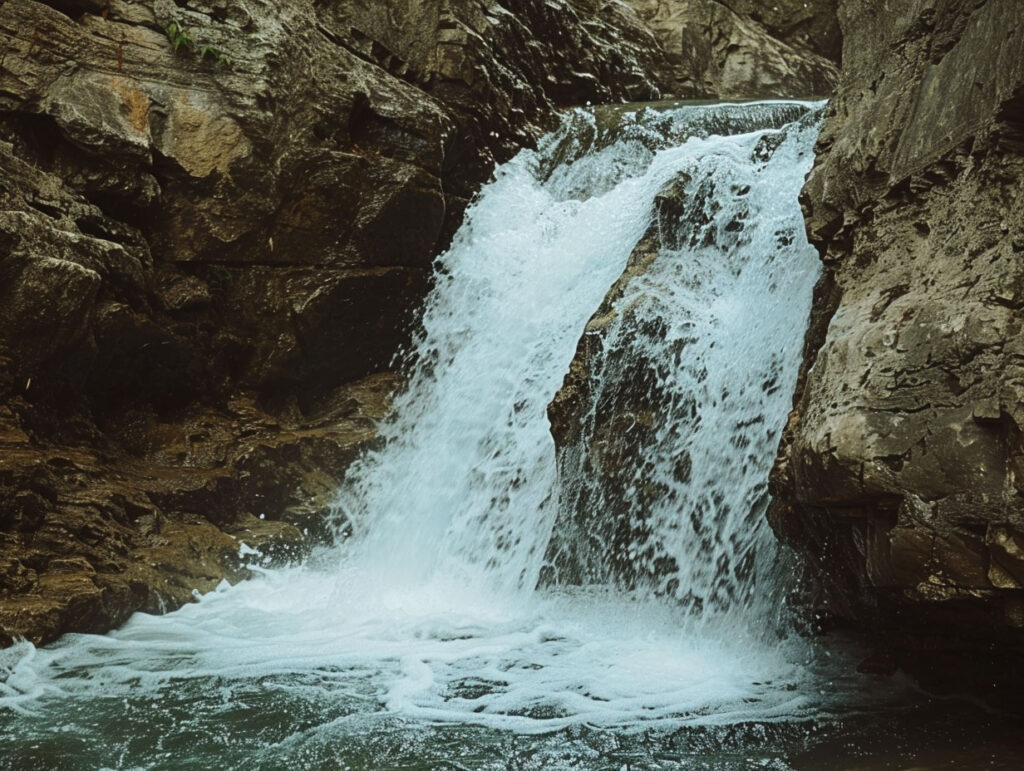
(179, 36)
(214, 53)
(181, 39)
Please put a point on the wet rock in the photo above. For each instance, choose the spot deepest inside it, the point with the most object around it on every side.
(91, 534)
(214, 218)
(603, 419)
(630, 413)
(899, 471)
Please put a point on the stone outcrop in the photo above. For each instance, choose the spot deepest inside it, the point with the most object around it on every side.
(900, 473)
(806, 25)
(217, 220)
(745, 49)
(91, 533)
(602, 420)
(636, 392)
(216, 223)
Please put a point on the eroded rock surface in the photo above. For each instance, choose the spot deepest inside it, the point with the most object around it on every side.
(900, 471)
(744, 49)
(663, 452)
(237, 202)
(213, 238)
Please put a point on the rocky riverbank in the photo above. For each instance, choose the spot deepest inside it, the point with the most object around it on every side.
(217, 221)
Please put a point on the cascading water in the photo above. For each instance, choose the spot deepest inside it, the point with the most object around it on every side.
(691, 364)
(466, 485)
(654, 602)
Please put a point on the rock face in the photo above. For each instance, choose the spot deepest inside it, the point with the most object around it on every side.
(602, 420)
(89, 534)
(641, 423)
(743, 49)
(217, 220)
(216, 223)
(899, 474)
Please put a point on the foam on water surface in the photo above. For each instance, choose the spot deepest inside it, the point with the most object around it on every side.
(439, 653)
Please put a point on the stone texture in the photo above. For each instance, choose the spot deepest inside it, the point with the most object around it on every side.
(618, 410)
(91, 533)
(209, 255)
(601, 429)
(899, 474)
(247, 218)
(742, 49)
(806, 25)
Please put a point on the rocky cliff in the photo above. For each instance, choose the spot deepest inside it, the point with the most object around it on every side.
(217, 220)
(741, 49)
(898, 473)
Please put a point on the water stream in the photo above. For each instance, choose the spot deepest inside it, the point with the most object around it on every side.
(492, 606)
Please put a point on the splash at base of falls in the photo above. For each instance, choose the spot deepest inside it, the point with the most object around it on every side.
(427, 623)
(440, 652)
(307, 665)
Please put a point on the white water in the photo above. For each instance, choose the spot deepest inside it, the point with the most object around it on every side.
(430, 611)
(692, 374)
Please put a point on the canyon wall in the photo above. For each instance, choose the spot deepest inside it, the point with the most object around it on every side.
(743, 49)
(898, 472)
(217, 222)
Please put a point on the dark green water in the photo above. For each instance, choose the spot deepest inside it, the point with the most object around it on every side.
(262, 727)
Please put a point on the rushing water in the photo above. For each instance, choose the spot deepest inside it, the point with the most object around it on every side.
(423, 640)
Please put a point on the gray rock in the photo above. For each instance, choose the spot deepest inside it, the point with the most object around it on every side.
(899, 474)
(723, 50)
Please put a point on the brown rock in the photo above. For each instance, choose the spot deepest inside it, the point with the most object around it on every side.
(724, 49)
(210, 253)
(910, 414)
(803, 24)
(87, 537)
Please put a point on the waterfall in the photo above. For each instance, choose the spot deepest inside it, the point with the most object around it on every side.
(691, 365)
(484, 579)
(699, 357)
(466, 483)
